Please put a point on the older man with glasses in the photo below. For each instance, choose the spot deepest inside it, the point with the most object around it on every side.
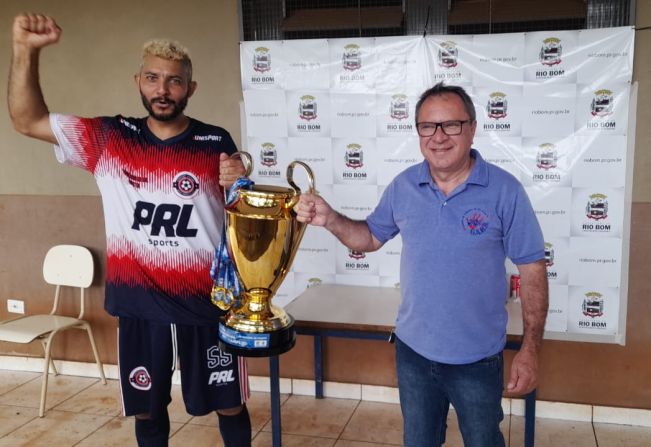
(460, 218)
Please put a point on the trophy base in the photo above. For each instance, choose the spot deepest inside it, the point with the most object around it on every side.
(252, 344)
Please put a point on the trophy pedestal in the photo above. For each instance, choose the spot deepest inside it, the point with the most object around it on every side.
(256, 344)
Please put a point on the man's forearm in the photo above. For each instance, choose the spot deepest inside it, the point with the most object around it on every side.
(354, 234)
(27, 109)
(535, 302)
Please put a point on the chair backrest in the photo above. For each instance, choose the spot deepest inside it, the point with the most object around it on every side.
(68, 265)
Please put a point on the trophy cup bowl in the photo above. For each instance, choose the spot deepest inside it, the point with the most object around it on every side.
(263, 236)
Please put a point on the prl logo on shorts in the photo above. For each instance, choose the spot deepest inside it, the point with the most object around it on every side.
(221, 377)
(475, 221)
(140, 379)
(186, 185)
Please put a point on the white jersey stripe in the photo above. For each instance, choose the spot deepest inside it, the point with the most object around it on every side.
(245, 392)
(175, 346)
(124, 410)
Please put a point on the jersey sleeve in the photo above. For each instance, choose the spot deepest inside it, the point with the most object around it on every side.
(81, 141)
(229, 145)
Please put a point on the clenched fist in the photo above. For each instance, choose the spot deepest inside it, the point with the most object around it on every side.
(35, 31)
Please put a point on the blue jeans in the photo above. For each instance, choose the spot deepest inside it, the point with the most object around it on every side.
(427, 388)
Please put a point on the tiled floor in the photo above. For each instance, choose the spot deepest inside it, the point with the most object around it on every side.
(83, 412)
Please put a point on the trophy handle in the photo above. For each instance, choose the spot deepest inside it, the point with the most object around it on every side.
(290, 180)
(247, 161)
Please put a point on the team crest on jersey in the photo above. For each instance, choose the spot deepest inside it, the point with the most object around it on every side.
(475, 221)
(140, 379)
(186, 185)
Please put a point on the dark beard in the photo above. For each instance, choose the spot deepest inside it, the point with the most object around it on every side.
(177, 108)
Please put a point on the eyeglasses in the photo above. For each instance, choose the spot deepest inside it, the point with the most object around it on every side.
(450, 128)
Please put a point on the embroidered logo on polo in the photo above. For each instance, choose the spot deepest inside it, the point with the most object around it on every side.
(475, 221)
(139, 378)
(186, 185)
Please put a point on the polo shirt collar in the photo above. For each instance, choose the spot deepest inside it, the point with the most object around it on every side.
(478, 174)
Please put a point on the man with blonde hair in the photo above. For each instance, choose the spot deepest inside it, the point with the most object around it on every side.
(161, 180)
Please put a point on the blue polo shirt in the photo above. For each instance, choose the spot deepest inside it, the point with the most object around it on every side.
(452, 268)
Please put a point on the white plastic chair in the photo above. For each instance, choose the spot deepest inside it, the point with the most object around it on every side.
(64, 265)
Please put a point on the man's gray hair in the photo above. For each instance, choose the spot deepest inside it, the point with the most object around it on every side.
(442, 89)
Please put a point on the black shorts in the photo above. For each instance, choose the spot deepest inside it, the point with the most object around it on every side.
(148, 352)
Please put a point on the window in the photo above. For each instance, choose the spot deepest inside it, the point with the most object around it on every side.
(309, 19)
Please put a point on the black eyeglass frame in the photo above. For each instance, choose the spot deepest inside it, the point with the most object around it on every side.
(441, 125)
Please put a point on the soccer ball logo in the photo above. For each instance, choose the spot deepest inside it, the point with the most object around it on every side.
(186, 185)
(140, 379)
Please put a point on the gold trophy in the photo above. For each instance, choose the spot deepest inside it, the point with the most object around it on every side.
(262, 235)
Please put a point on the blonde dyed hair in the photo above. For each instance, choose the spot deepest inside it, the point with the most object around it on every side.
(170, 50)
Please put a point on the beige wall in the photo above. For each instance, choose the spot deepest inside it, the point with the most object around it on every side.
(642, 74)
(90, 72)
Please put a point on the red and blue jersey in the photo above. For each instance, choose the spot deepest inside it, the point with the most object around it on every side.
(163, 211)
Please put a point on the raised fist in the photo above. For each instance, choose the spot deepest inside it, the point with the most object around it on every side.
(35, 30)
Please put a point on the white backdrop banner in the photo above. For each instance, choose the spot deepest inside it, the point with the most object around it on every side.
(552, 109)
